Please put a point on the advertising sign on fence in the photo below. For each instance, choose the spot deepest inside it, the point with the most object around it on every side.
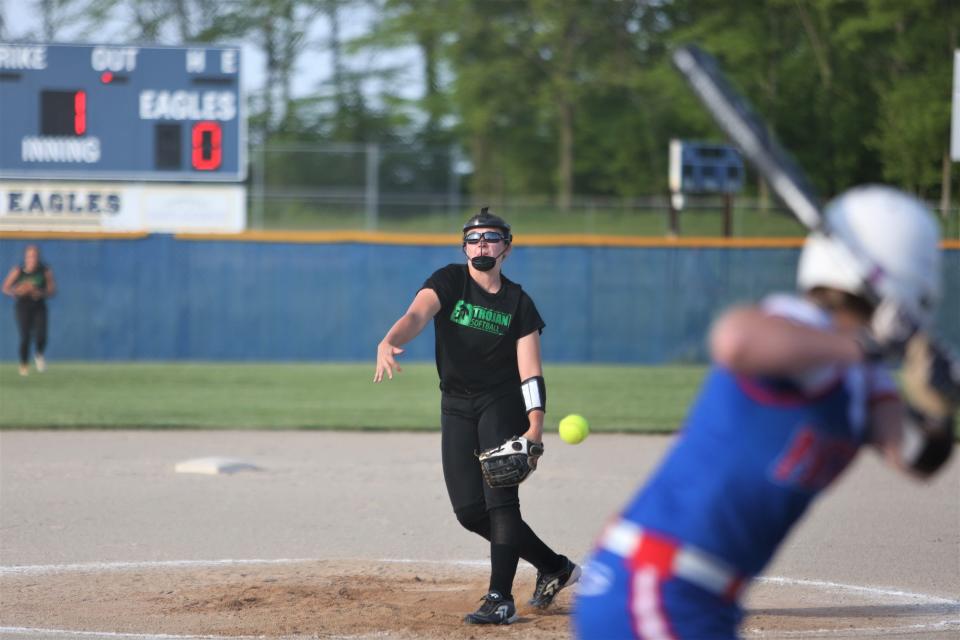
(119, 206)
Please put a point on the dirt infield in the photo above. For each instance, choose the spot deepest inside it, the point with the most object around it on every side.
(350, 535)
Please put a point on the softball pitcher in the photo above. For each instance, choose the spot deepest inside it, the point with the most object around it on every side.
(491, 378)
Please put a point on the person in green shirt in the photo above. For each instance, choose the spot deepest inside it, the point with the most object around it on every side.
(30, 284)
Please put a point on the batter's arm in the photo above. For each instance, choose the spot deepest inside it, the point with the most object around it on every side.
(530, 364)
(915, 430)
(425, 305)
(749, 341)
(886, 431)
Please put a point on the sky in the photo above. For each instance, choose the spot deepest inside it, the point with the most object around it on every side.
(22, 19)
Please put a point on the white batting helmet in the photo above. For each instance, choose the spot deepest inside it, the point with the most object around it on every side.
(896, 231)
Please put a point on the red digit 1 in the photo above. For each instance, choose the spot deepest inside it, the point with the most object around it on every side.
(207, 152)
(80, 113)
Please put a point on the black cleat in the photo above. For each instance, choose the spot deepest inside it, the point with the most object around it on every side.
(495, 610)
(550, 584)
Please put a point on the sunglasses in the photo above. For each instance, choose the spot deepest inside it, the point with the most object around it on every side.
(492, 237)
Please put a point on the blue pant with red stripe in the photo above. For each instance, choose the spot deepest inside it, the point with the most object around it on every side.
(618, 601)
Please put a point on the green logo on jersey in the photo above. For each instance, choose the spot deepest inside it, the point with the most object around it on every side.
(476, 317)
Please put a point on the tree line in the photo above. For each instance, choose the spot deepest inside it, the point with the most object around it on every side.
(569, 97)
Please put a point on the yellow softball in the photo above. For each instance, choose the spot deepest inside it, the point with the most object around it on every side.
(573, 429)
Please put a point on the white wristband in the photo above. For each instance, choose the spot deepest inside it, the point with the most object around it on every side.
(534, 394)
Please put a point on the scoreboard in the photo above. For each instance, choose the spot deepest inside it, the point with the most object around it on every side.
(704, 167)
(130, 113)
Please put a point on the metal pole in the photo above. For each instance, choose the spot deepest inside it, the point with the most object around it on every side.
(372, 195)
(676, 205)
(453, 185)
(259, 179)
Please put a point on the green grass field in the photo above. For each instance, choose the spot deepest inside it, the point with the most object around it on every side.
(316, 396)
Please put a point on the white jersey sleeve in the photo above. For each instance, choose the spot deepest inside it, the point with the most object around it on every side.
(802, 311)
(873, 382)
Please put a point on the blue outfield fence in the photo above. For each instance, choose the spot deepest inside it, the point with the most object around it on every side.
(165, 298)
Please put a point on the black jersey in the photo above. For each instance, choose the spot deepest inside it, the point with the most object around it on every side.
(477, 332)
(38, 276)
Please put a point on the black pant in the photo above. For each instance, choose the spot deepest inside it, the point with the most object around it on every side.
(468, 425)
(31, 319)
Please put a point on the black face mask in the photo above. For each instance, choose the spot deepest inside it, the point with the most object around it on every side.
(483, 263)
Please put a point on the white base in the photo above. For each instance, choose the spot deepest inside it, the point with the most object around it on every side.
(214, 466)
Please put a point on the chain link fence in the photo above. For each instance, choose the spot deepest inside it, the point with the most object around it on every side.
(422, 190)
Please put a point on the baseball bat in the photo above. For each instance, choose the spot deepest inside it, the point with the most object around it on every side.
(750, 134)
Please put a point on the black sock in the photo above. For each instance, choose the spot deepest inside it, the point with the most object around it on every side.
(537, 553)
(503, 568)
(504, 551)
(511, 539)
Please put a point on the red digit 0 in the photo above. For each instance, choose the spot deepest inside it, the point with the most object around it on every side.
(207, 153)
